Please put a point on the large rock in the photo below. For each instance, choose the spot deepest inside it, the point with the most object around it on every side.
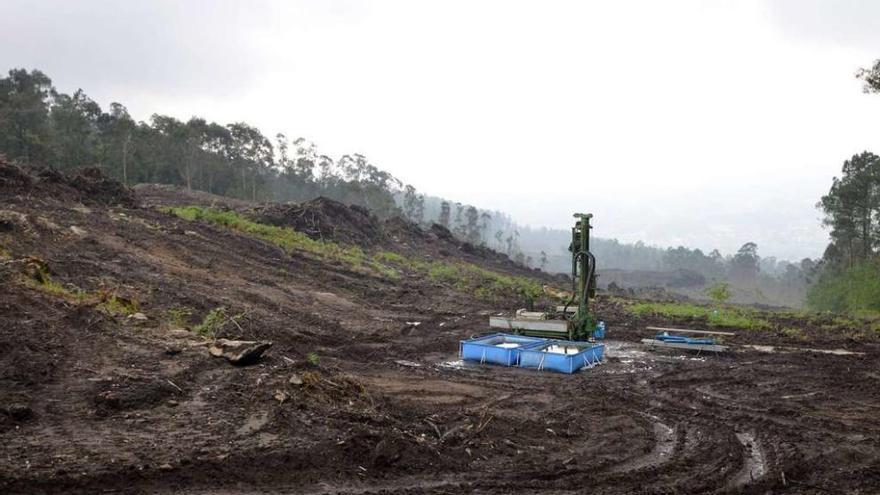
(239, 352)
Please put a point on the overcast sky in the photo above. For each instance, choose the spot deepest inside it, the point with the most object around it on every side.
(702, 123)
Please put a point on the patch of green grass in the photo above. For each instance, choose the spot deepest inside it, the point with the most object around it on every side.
(720, 317)
(719, 292)
(105, 300)
(313, 359)
(44, 283)
(867, 314)
(794, 333)
(180, 315)
(391, 257)
(212, 322)
(466, 277)
(485, 284)
(119, 306)
(287, 239)
(847, 290)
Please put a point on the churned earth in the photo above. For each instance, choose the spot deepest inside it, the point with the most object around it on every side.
(107, 385)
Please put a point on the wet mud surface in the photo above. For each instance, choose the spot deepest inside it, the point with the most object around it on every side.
(95, 402)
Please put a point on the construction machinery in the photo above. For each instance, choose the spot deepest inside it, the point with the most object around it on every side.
(573, 319)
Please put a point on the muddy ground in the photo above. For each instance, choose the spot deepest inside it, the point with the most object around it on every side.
(99, 402)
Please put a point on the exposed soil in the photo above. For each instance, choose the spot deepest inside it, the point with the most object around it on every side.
(92, 401)
(325, 219)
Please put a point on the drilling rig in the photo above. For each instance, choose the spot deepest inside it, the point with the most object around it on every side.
(573, 320)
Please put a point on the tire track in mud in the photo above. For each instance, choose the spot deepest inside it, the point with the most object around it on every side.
(670, 443)
(698, 434)
(698, 443)
(689, 446)
(754, 462)
(664, 446)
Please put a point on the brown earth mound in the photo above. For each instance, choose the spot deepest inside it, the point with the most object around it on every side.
(87, 186)
(171, 195)
(325, 219)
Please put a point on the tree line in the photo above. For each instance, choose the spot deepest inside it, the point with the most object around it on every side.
(849, 279)
(41, 125)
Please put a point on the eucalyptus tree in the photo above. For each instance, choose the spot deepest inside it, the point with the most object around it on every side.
(24, 115)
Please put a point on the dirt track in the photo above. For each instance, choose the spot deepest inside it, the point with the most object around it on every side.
(99, 403)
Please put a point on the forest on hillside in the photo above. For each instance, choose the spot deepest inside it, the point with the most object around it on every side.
(848, 274)
(41, 125)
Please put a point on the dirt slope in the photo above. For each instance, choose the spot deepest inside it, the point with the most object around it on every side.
(96, 400)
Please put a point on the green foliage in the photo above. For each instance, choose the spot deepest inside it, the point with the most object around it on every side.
(467, 277)
(852, 211)
(179, 316)
(871, 77)
(794, 333)
(40, 124)
(729, 317)
(43, 282)
(852, 290)
(120, 306)
(211, 323)
(719, 292)
(24, 115)
(54, 288)
(390, 257)
(288, 239)
(313, 359)
(103, 300)
(483, 283)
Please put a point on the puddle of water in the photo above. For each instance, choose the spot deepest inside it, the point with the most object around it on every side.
(762, 348)
(625, 358)
(772, 349)
(688, 358)
(664, 444)
(624, 350)
(754, 465)
(563, 349)
(508, 345)
(461, 366)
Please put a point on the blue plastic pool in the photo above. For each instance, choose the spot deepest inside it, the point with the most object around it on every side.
(497, 348)
(563, 356)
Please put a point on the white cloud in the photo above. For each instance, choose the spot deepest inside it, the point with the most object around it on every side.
(703, 123)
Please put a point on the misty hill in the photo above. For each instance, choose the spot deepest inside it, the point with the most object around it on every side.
(113, 298)
(42, 125)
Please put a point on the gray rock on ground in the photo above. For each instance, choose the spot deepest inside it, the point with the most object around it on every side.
(239, 352)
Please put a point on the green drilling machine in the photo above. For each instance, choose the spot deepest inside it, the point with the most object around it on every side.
(573, 319)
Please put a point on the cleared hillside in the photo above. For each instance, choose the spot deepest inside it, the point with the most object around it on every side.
(111, 297)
